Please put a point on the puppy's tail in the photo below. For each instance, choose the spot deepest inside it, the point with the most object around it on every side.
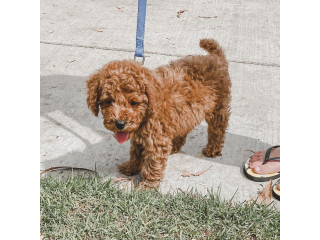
(212, 47)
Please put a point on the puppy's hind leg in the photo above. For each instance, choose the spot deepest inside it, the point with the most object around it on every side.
(217, 125)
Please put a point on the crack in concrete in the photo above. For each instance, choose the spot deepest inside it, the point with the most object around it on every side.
(150, 52)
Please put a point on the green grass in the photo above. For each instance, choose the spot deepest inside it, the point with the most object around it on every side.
(88, 208)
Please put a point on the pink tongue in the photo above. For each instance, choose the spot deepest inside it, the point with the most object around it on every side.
(121, 136)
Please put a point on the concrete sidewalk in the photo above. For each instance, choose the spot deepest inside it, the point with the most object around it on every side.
(78, 37)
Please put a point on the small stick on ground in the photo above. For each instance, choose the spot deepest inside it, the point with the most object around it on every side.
(248, 150)
(65, 168)
(207, 17)
(180, 12)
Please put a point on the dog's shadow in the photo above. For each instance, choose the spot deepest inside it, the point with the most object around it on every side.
(72, 136)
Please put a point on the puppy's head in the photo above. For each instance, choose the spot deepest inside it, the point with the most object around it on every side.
(119, 91)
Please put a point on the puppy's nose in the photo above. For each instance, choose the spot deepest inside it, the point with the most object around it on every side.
(120, 124)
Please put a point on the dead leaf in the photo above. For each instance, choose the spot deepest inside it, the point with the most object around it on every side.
(97, 30)
(265, 195)
(186, 174)
(120, 9)
(200, 173)
(207, 233)
(71, 61)
(180, 12)
(119, 179)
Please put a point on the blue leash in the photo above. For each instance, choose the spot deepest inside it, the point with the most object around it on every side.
(141, 19)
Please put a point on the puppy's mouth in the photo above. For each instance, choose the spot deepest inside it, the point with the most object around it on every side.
(121, 136)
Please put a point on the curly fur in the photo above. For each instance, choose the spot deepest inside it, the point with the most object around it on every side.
(160, 107)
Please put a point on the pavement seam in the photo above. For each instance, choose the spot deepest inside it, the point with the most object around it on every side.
(59, 124)
(149, 52)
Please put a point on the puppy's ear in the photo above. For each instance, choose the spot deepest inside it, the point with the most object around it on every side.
(93, 93)
(151, 95)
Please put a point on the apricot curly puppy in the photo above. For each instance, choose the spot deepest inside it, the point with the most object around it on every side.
(156, 109)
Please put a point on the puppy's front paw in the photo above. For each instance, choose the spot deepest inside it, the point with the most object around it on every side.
(209, 152)
(127, 169)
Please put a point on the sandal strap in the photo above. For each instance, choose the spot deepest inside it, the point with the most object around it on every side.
(266, 159)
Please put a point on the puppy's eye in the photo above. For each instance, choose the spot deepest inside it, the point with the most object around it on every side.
(108, 102)
(133, 103)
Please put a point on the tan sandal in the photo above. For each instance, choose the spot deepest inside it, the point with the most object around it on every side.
(276, 191)
(261, 177)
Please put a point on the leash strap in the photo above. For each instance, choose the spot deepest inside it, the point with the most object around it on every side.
(141, 19)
